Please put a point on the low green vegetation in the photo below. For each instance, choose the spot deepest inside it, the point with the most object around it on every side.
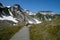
(7, 32)
(46, 30)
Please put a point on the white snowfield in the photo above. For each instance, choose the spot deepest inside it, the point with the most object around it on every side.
(10, 18)
(30, 22)
(36, 21)
(8, 6)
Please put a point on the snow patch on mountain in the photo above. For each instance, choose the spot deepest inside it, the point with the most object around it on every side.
(30, 22)
(10, 18)
(8, 6)
(50, 19)
(37, 21)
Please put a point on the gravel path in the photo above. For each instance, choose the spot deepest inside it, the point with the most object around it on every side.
(22, 34)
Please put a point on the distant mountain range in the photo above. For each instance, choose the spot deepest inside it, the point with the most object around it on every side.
(15, 15)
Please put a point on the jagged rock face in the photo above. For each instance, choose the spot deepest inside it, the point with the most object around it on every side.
(17, 12)
(16, 15)
(3, 11)
(12, 15)
(43, 17)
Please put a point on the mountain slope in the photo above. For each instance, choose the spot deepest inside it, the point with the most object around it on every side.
(15, 15)
(46, 30)
(11, 15)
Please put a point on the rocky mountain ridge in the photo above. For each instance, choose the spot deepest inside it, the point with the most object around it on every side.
(15, 15)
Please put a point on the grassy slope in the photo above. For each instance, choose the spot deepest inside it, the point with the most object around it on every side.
(46, 30)
(7, 32)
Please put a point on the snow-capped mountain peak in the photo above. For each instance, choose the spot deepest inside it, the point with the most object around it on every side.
(16, 15)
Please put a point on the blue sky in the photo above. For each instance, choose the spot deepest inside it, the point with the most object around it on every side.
(35, 5)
